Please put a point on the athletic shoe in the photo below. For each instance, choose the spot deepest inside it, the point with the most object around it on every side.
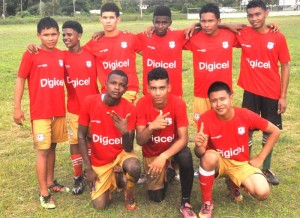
(177, 177)
(56, 187)
(234, 191)
(187, 211)
(47, 202)
(79, 185)
(206, 210)
(196, 174)
(142, 179)
(130, 201)
(271, 177)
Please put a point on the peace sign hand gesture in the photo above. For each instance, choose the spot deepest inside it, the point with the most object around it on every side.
(120, 123)
(160, 122)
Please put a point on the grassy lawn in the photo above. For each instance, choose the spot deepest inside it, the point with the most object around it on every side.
(18, 184)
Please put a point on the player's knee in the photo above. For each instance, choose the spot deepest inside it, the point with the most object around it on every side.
(132, 166)
(209, 160)
(184, 158)
(156, 195)
(263, 194)
(100, 204)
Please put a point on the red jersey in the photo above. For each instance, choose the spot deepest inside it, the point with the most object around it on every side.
(166, 52)
(230, 138)
(116, 53)
(80, 78)
(45, 74)
(212, 59)
(261, 53)
(106, 138)
(162, 139)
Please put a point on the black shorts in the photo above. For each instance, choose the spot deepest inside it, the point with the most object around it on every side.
(266, 107)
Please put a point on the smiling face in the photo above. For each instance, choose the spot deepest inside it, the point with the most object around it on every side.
(221, 102)
(161, 24)
(71, 38)
(159, 89)
(49, 38)
(257, 18)
(209, 23)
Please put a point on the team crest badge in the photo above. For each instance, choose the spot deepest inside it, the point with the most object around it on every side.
(88, 64)
(225, 45)
(241, 130)
(124, 44)
(270, 45)
(172, 44)
(61, 63)
(169, 119)
(40, 137)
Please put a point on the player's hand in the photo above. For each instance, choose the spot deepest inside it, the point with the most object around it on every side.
(149, 31)
(274, 27)
(256, 162)
(91, 178)
(120, 123)
(19, 116)
(160, 122)
(201, 139)
(157, 166)
(33, 48)
(235, 27)
(189, 31)
(282, 105)
(98, 35)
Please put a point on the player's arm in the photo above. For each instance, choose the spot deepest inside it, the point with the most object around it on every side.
(18, 94)
(82, 136)
(285, 77)
(274, 134)
(201, 140)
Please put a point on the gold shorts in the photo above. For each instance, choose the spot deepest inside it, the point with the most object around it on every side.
(201, 105)
(106, 176)
(47, 131)
(73, 128)
(130, 96)
(237, 171)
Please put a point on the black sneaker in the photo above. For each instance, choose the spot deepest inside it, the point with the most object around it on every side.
(271, 177)
(79, 185)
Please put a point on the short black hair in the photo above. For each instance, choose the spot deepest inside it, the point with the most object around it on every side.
(256, 4)
(218, 86)
(162, 11)
(210, 7)
(47, 23)
(119, 73)
(72, 24)
(157, 74)
(110, 7)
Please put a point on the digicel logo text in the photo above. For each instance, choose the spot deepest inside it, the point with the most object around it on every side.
(259, 64)
(104, 140)
(51, 83)
(163, 139)
(213, 66)
(166, 65)
(231, 152)
(79, 82)
(115, 64)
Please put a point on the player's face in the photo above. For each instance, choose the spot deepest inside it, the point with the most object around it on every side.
(161, 24)
(70, 37)
(209, 23)
(116, 86)
(109, 21)
(49, 38)
(257, 17)
(159, 89)
(220, 102)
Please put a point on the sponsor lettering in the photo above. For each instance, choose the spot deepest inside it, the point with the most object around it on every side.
(213, 66)
(115, 64)
(162, 139)
(51, 83)
(259, 64)
(231, 152)
(79, 82)
(166, 65)
(104, 140)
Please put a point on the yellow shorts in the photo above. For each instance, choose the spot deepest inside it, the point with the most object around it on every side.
(106, 176)
(47, 131)
(73, 128)
(235, 170)
(130, 96)
(157, 182)
(201, 105)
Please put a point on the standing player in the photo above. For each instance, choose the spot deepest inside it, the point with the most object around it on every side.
(81, 81)
(265, 90)
(212, 56)
(112, 124)
(115, 50)
(163, 49)
(222, 146)
(162, 131)
(45, 75)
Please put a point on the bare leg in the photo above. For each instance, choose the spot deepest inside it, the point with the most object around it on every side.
(102, 201)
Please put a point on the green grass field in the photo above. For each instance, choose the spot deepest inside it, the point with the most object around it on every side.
(18, 184)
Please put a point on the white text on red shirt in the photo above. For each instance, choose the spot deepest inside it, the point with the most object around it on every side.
(51, 83)
(115, 64)
(79, 82)
(231, 152)
(104, 140)
(162, 139)
(213, 66)
(259, 64)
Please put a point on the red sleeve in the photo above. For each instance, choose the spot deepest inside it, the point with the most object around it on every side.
(132, 118)
(137, 43)
(89, 46)
(255, 121)
(284, 55)
(180, 113)
(84, 116)
(141, 119)
(25, 65)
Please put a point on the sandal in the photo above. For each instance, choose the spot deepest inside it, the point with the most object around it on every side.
(56, 187)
